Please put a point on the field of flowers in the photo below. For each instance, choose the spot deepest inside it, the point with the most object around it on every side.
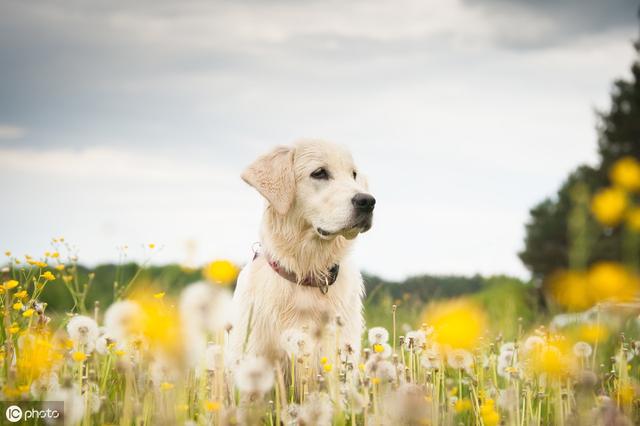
(148, 359)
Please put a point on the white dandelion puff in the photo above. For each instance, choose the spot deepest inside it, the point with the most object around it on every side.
(378, 335)
(431, 359)
(459, 359)
(83, 331)
(254, 375)
(415, 340)
(316, 410)
(380, 369)
(508, 347)
(582, 350)
(533, 343)
(296, 343)
(124, 320)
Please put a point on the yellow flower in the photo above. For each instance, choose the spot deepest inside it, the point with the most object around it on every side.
(48, 276)
(152, 246)
(221, 272)
(462, 405)
(490, 416)
(21, 294)
(119, 352)
(28, 313)
(549, 360)
(55, 255)
(327, 367)
(377, 348)
(323, 360)
(17, 306)
(212, 406)
(78, 356)
(626, 394)
(7, 253)
(593, 333)
(457, 323)
(633, 219)
(570, 289)
(159, 295)
(8, 285)
(609, 205)
(625, 173)
(14, 328)
(166, 386)
(59, 267)
(611, 281)
(376, 380)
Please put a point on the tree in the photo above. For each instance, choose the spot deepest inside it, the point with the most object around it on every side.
(547, 239)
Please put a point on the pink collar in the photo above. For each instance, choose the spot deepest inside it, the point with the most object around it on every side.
(322, 283)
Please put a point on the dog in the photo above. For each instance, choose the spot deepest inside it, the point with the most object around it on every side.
(301, 278)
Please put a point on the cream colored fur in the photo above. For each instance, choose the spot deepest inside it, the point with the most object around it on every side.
(297, 207)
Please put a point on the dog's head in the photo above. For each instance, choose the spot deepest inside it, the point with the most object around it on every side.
(318, 183)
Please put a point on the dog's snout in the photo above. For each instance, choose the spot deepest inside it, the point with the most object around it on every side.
(363, 202)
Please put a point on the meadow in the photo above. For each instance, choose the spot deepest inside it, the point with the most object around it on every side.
(132, 344)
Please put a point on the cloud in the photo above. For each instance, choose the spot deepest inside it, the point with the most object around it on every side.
(530, 24)
(9, 132)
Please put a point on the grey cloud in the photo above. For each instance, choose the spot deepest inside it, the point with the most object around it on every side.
(529, 24)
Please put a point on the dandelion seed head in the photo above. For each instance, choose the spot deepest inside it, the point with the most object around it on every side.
(582, 350)
(254, 375)
(83, 331)
(378, 335)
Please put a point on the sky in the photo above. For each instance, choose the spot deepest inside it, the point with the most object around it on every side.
(129, 123)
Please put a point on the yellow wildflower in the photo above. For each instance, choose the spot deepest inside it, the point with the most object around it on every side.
(549, 360)
(17, 306)
(456, 323)
(212, 406)
(152, 246)
(323, 360)
(55, 255)
(327, 367)
(609, 205)
(119, 352)
(462, 405)
(21, 294)
(8, 285)
(28, 313)
(625, 173)
(611, 281)
(593, 333)
(159, 295)
(221, 272)
(59, 267)
(48, 276)
(490, 416)
(7, 253)
(78, 356)
(626, 393)
(570, 289)
(14, 328)
(166, 386)
(378, 348)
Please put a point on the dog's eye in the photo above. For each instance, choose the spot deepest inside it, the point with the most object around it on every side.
(355, 174)
(320, 173)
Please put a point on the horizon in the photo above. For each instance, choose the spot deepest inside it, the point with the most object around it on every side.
(133, 124)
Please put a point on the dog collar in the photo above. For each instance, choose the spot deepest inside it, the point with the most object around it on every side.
(322, 283)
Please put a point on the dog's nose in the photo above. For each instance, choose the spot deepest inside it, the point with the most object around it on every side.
(363, 202)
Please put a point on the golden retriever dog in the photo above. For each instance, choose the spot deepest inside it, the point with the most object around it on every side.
(301, 278)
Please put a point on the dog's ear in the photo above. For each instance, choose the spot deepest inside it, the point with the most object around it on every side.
(272, 175)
